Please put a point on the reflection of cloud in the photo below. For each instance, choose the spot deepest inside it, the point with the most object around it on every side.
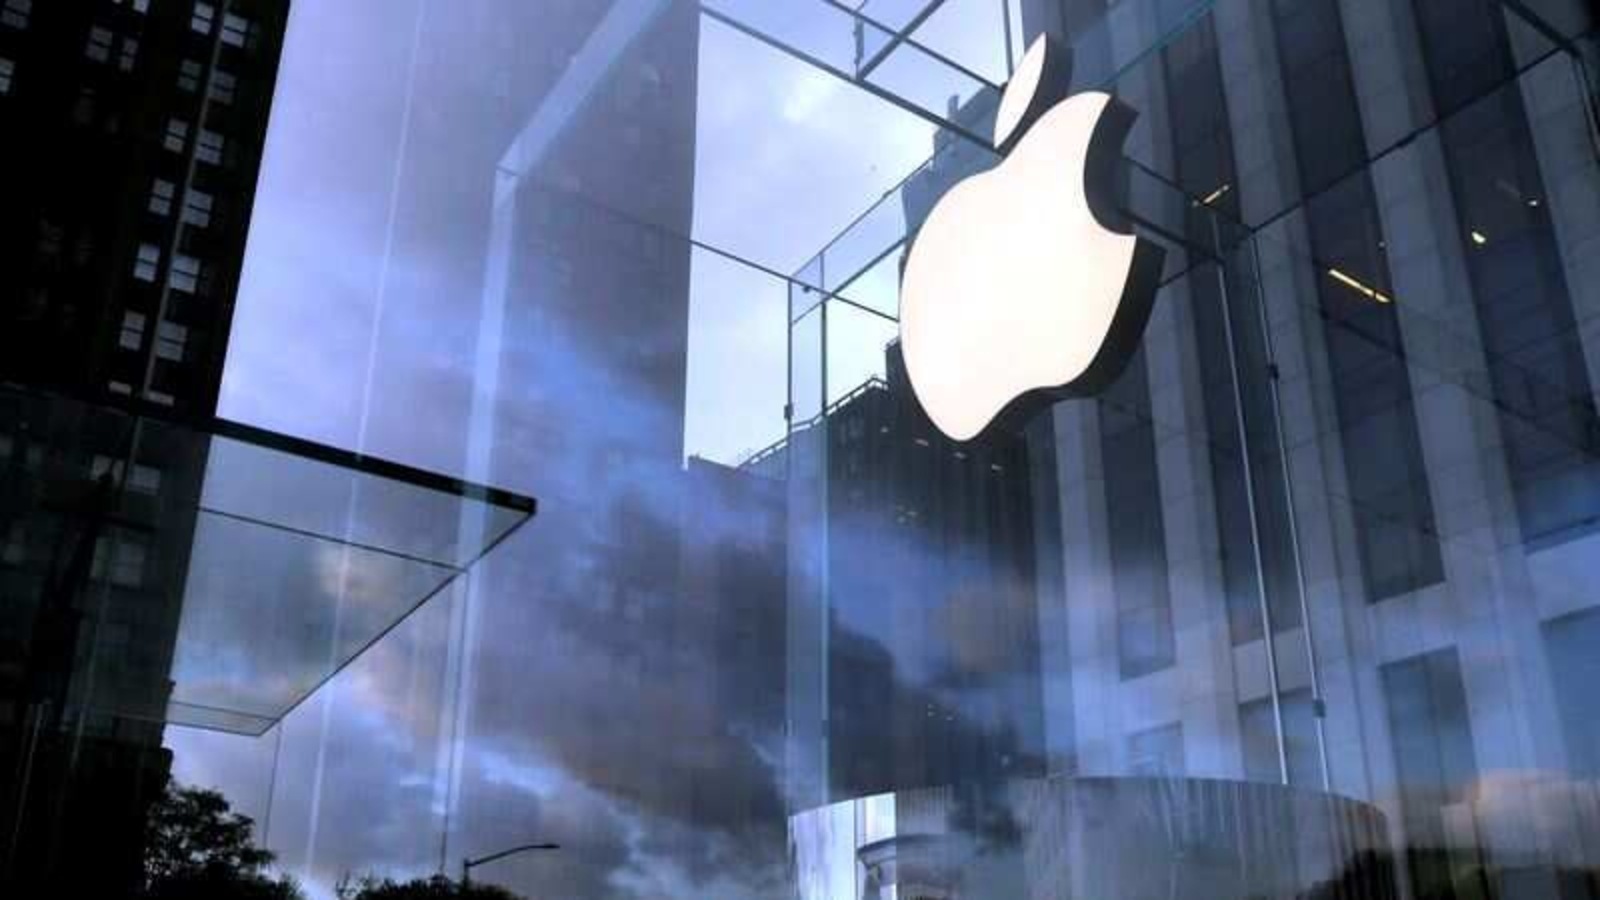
(365, 580)
(809, 95)
(599, 713)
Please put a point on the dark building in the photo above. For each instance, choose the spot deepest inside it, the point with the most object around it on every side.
(932, 643)
(728, 624)
(584, 336)
(134, 134)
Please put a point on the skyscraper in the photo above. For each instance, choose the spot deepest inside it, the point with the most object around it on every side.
(135, 132)
(138, 131)
(932, 641)
(1343, 494)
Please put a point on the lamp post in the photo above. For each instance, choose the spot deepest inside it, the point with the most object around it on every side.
(468, 862)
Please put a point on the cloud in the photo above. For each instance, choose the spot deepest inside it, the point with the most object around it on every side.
(637, 722)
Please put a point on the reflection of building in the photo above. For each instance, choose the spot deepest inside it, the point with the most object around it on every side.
(585, 332)
(728, 624)
(1336, 523)
(1423, 229)
(932, 643)
(126, 209)
(121, 238)
(953, 159)
(1083, 838)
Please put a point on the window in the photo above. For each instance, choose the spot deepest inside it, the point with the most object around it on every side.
(197, 208)
(1574, 670)
(1538, 373)
(189, 76)
(83, 109)
(15, 13)
(1434, 756)
(144, 268)
(132, 331)
(50, 237)
(7, 67)
(130, 54)
(223, 86)
(99, 46)
(16, 547)
(138, 6)
(161, 194)
(1259, 739)
(170, 340)
(120, 387)
(144, 479)
(1388, 486)
(209, 147)
(1156, 752)
(103, 465)
(235, 30)
(204, 17)
(177, 135)
(1135, 530)
(185, 273)
(120, 561)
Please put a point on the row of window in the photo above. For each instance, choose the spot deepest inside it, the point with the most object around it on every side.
(208, 144)
(197, 204)
(15, 13)
(122, 388)
(183, 275)
(141, 478)
(236, 29)
(171, 338)
(103, 46)
(1430, 724)
(221, 89)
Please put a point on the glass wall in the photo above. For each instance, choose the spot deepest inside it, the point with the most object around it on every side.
(611, 518)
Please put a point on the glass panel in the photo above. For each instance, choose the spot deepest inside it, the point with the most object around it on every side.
(291, 558)
(1298, 603)
(971, 33)
(862, 348)
(736, 383)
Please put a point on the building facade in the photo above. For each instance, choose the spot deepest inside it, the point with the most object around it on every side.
(1300, 605)
(1330, 526)
(136, 131)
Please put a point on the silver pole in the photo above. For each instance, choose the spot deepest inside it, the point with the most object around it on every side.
(1250, 503)
(1318, 706)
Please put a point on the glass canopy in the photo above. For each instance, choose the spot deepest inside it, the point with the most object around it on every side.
(283, 561)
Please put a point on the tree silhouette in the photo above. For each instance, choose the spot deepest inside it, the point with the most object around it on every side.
(198, 847)
(437, 887)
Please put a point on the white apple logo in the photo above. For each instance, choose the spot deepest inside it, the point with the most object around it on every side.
(1025, 284)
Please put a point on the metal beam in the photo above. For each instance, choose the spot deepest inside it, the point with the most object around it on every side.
(821, 65)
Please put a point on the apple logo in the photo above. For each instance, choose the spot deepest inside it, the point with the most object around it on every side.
(1026, 283)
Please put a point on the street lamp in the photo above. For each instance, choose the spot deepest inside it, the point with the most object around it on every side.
(468, 862)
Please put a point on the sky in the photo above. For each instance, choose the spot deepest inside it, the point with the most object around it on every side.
(357, 325)
(564, 690)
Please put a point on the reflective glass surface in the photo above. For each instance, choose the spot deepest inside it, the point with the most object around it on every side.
(1299, 605)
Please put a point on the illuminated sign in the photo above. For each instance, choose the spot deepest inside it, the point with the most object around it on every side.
(1026, 283)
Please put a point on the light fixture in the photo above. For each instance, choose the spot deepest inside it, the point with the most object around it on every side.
(1478, 238)
(1356, 285)
(1215, 195)
(1533, 202)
